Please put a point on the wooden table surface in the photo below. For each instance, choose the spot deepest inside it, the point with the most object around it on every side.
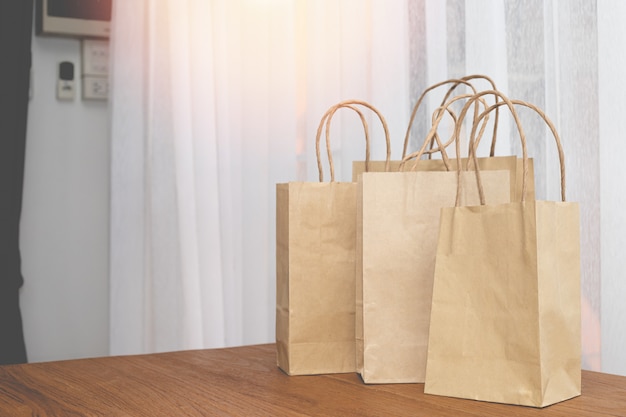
(245, 381)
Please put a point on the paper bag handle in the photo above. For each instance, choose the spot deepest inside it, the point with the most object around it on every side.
(326, 118)
(455, 83)
(510, 104)
(431, 137)
(432, 134)
(480, 135)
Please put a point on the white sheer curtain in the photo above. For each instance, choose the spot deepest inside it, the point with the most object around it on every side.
(610, 182)
(564, 57)
(216, 101)
(213, 103)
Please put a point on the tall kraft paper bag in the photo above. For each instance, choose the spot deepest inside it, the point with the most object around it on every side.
(505, 318)
(490, 163)
(397, 226)
(315, 269)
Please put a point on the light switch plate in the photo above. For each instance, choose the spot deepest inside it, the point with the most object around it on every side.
(65, 90)
(65, 81)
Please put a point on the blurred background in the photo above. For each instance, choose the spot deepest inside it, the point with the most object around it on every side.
(148, 217)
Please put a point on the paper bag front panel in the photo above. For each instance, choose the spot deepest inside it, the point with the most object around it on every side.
(503, 285)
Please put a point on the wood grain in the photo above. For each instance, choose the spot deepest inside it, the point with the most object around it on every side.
(245, 381)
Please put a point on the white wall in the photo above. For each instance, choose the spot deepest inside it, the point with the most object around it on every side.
(65, 214)
(612, 190)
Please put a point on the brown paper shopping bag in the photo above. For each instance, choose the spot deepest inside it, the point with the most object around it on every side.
(315, 270)
(505, 318)
(492, 162)
(397, 226)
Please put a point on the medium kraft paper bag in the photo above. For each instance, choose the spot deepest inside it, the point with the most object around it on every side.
(315, 270)
(492, 162)
(398, 222)
(397, 228)
(505, 318)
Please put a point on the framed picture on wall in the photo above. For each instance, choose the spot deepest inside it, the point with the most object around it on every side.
(78, 18)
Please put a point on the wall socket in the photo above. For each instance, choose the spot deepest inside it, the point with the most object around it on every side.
(95, 70)
(95, 57)
(95, 87)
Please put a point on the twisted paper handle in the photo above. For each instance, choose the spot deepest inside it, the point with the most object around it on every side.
(510, 104)
(432, 134)
(455, 83)
(326, 119)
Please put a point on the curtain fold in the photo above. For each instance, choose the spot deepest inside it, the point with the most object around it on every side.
(15, 38)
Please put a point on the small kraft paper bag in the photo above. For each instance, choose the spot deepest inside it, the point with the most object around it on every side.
(505, 317)
(397, 226)
(492, 162)
(315, 269)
